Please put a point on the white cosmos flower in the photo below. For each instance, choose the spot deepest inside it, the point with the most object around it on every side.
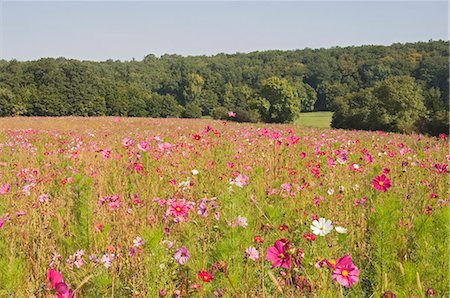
(341, 230)
(321, 227)
(194, 172)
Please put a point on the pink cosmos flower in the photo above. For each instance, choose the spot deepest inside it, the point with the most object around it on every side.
(241, 180)
(127, 142)
(286, 187)
(106, 153)
(164, 146)
(205, 276)
(107, 259)
(381, 183)
(178, 208)
(240, 221)
(4, 189)
(345, 272)
(331, 162)
(138, 241)
(441, 168)
(252, 253)
(143, 146)
(368, 157)
(181, 255)
(231, 114)
(58, 284)
(203, 209)
(278, 254)
(43, 198)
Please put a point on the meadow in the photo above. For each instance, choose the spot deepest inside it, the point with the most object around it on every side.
(135, 207)
(315, 119)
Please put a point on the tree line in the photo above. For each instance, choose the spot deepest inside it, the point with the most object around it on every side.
(402, 87)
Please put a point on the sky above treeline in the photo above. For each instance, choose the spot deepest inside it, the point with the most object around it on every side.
(125, 30)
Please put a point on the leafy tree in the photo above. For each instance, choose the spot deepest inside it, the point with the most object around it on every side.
(243, 115)
(282, 98)
(438, 113)
(207, 100)
(434, 71)
(396, 104)
(163, 106)
(137, 102)
(192, 111)
(327, 93)
(6, 100)
(352, 110)
(116, 99)
(220, 113)
(322, 78)
(307, 95)
(46, 101)
(400, 105)
(193, 86)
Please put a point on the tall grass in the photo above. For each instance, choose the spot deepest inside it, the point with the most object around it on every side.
(398, 238)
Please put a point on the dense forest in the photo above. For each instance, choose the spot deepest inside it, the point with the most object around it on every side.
(402, 87)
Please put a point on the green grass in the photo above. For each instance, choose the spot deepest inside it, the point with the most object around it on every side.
(315, 119)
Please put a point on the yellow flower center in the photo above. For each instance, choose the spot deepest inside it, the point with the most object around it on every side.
(178, 209)
(281, 256)
(381, 183)
(344, 273)
(332, 262)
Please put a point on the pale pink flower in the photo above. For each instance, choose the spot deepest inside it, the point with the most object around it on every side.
(4, 189)
(138, 241)
(143, 146)
(241, 180)
(252, 253)
(181, 255)
(43, 198)
(240, 222)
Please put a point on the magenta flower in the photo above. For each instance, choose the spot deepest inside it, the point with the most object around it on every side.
(278, 254)
(58, 284)
(381, 183)
(181, 255)
(345, 272)
(178, 208)
(441, 169)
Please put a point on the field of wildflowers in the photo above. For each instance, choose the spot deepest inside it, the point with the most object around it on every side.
(116, 207)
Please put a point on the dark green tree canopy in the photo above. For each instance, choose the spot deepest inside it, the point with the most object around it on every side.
(282, 103)
(320, 78)
(395, 104)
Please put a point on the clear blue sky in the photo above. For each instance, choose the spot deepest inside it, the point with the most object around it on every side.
(123, 30)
